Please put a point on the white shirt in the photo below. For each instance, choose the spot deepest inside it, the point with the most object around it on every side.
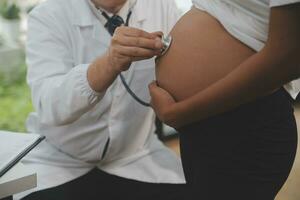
(64, 37)
(248, 21)
(122, 13)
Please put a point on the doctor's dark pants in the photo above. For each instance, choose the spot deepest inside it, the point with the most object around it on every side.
(98, 185)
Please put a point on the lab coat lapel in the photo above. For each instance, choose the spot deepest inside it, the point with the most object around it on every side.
(140, 12)
(83, 16)
(81, 13)
(101, 34)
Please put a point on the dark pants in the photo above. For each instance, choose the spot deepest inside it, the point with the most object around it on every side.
(7, 198)
(244, 154)
(100, 185)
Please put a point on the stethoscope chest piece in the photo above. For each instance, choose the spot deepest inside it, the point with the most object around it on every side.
(167, 41)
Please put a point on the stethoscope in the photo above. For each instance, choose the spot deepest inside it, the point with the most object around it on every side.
(111, 25)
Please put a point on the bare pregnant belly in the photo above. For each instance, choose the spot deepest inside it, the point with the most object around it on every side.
(202, 52)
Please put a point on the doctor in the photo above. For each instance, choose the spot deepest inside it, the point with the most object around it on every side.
(100, 142)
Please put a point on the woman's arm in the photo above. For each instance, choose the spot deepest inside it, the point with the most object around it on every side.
(278, 63)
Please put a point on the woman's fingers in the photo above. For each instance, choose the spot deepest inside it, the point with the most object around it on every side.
(156, 92)
(152, 87)
(162, 103)
(160, 95)
(153, 93)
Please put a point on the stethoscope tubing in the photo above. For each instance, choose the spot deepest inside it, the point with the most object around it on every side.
(123, 80)
(132, 94)
(167, 42)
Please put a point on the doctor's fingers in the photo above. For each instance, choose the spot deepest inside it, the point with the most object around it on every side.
(134, 32)
(159, 34)
(134, 59)
(137, 52)
(138, 42)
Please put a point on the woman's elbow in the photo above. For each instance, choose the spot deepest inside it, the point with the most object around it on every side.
(286, 60)
(292, 63)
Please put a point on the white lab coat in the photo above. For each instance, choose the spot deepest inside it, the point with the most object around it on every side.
(64, 38)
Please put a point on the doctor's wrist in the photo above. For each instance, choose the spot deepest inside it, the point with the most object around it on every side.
(101, 74)
(111, 68)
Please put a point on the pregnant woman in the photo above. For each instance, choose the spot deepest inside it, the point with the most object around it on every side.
(221, 85)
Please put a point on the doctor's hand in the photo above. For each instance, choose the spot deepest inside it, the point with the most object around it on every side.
(164, 105)
(127, 45)
(131, 44)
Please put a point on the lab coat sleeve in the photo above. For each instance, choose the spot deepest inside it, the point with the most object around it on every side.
(60, 90)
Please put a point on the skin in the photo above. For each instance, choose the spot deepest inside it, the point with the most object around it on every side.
(205, 62)
(259, 75)
(127, 45)
(112, 6)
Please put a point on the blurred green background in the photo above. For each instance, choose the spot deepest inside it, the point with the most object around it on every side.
(15, 101)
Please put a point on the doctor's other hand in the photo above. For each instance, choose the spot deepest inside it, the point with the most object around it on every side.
(164, 105)
(130, 44)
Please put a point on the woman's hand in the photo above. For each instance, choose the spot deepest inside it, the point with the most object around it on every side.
(130, 44)
(164, 105)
